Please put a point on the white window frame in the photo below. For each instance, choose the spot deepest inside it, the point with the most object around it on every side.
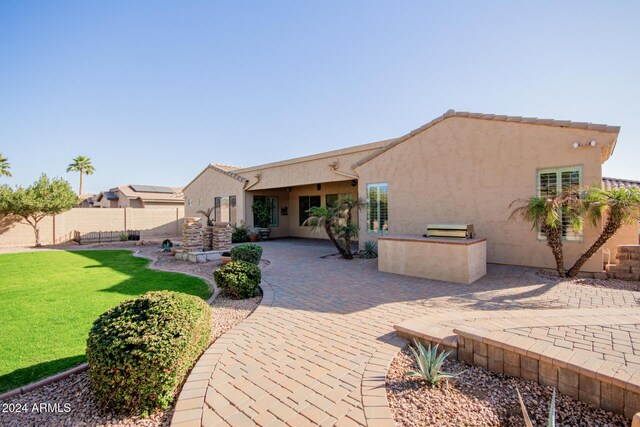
(381, 231)
(575, 237)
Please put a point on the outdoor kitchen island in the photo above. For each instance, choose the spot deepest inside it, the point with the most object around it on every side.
(438, 258)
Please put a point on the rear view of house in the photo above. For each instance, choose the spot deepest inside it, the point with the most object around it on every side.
(461, 168)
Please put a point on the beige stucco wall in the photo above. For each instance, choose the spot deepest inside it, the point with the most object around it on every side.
(450, 262)
(343, 187)
(469, 171)
(157, 222)
(282, 230)
(308, 170)
(209, 185)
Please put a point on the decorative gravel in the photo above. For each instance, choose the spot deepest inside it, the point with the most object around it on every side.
(479, 397)
(83, 408)
(624, 285)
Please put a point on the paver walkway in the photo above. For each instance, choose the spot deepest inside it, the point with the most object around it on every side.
(316, 351)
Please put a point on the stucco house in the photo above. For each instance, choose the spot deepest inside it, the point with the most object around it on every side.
(458, 168)
(140, 196)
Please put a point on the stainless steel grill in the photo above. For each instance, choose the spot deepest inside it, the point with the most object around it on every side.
(457, 231)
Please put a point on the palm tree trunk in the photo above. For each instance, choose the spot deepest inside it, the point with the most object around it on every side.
(610, 228)
(335, 242)
(80, 189)
(554, 241)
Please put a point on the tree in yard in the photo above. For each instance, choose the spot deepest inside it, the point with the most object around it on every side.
(337, 221)
(83, 165)
(5, 166)
(621, 206)
(546, 213)
(44, 197)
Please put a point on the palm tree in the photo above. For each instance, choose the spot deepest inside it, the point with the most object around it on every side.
(5, 166)
(546, 213)
(621, 205)
(336, 220)
(83, 165)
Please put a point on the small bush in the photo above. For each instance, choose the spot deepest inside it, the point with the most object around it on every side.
(238, 279)
(240, 233)
(248, 252)
(370, 250)
(140, 351)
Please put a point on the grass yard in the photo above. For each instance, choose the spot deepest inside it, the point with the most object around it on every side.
(49, 300)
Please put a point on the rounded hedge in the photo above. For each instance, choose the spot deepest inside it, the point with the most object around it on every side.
(140, 351)
(238, 279)
(248, 252)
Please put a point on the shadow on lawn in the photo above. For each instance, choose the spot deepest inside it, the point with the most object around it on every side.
(23, 376)
(141, 279)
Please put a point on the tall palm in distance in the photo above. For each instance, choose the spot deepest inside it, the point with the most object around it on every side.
(5, 166)
(83, 165)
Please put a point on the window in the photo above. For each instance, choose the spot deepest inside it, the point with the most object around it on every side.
(554, 181)
(378, 208)
(304, 204)
(330, 199)
(217, 203)
(225, 209)
(270, 201)
(232, 210)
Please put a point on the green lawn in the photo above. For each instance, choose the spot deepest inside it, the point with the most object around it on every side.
(49, 300)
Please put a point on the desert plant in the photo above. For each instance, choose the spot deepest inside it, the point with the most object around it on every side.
(240, 233)
(369, 250)
(429, 364)
(238, 279)
(546, 213)
(621, 206)
(140, 351)
(337, 222)
(167, 245)
(208, 214)
(44, 197)
(551, 419)
(83, 165)
(5, 166)
(262, 212)
(124, 237)
(248, 252)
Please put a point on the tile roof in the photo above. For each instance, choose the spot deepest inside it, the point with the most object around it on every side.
(609, 183)
(494, 117)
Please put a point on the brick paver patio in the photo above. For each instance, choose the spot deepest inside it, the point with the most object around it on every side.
(317, 349)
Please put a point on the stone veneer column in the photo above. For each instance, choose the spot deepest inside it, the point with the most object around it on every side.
(192, 235)
(221, 236)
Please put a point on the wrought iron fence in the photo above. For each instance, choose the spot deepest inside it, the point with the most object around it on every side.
(105, 236)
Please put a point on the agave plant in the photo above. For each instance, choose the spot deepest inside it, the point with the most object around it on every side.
(429, 364)
(551, 420)
(370, 250)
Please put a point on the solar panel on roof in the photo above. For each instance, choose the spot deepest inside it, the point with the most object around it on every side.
(151, 189)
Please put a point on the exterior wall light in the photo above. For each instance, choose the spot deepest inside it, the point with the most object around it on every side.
(591, 143)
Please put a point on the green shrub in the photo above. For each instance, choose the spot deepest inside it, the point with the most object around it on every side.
(238, 279)
(240, 233)
(249, 252)
(140, 351)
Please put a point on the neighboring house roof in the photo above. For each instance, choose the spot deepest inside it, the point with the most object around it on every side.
(109, 195)
(493, 117)
(609, 183)
(151, 193)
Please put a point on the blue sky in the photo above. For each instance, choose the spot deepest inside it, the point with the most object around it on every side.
(154, 91)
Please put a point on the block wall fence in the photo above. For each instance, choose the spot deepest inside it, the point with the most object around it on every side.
(152, 222)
